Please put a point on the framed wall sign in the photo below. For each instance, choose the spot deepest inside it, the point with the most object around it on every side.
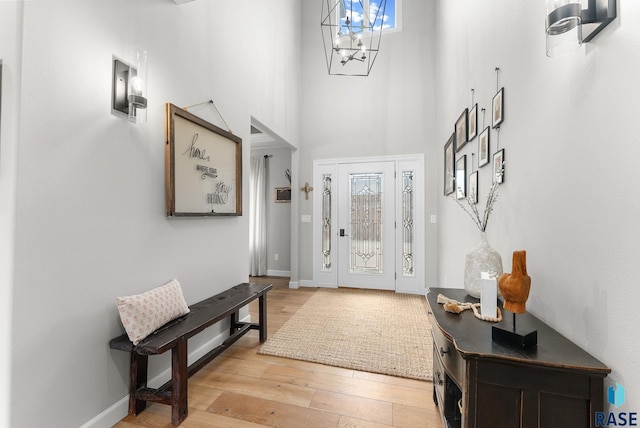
(203, 167)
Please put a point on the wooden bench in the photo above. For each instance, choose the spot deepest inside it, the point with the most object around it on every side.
(174, 335)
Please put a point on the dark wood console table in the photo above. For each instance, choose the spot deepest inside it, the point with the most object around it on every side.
(480, 383)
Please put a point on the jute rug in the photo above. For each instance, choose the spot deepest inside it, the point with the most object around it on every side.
(367, 330)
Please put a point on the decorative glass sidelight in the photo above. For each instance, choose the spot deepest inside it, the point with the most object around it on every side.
(326, 223)
(365, 228)
(408, 203)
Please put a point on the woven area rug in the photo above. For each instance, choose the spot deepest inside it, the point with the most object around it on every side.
(368, 330)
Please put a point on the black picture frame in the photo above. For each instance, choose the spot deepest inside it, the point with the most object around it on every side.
(472, 123)
(449, 165)
(472, 193)
(497, 109)
(461, 130)
(484, 147)
(498, 166)
(461, 177)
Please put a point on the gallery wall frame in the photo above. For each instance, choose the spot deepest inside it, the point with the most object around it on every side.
(484, 147)
(461, 130)
(282, 194)
(472, 193)
(449, 165)
(472, 128)
(497, 108)
(203, 167)
(498, 166)
(461, 177)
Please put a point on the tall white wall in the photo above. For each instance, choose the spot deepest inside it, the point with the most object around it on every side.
(389, 112)
(571, 154)
(10, 55)
(90, 220)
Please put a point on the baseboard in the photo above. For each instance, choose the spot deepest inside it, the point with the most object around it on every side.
(271, 272)
(412, 291)
(120, 409)
(315, 284)
(294, 285)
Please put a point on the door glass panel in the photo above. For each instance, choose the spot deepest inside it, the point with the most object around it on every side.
(326, 222)
(365, 227)
(407, 223)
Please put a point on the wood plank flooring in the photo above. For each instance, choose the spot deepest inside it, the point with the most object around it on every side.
(243, 389)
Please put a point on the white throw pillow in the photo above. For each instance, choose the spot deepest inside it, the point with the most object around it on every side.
(142, 314)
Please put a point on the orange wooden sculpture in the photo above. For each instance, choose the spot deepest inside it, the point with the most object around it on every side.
(516, 285)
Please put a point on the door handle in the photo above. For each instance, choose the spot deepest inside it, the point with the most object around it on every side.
(342, 233)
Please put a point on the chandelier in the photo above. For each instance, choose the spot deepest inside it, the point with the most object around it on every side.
(351, 33)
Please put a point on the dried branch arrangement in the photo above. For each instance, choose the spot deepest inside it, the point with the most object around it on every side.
(471, 208)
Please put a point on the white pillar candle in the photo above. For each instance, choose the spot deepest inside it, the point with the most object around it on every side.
(489, 296)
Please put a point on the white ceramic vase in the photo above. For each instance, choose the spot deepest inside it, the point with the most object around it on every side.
(482, 258)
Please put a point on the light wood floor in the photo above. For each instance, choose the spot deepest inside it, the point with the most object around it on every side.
(243, 389)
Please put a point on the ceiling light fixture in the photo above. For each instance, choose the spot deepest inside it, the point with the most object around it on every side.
(351, 34)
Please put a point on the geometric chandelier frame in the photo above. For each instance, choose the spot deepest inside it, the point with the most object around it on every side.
(351, 34)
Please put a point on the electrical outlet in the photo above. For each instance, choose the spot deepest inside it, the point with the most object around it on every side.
(276, 256)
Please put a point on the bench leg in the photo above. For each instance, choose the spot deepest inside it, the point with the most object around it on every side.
(235, 317)
(262, 314)
(179, 378)
(138, 379)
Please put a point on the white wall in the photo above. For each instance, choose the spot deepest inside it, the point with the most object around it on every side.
(571, 154)
(90, 213)
(10, 55)
(390, 112)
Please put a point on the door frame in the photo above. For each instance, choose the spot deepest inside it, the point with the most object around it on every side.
(328, 277)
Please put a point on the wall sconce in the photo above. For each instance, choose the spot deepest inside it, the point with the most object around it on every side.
(567, 23)
(130, 86)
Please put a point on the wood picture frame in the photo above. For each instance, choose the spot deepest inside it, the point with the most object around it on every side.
(498, 166)
(282, 194)
(449, 165)
(497, 108)
(484, 147)
(472, 123)
(461, 130)
(472, 193)
(461, 177)
(203, 167)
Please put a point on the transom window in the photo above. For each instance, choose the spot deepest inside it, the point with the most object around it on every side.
(352, 15)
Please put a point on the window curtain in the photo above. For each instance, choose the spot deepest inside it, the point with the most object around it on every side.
(258, 216)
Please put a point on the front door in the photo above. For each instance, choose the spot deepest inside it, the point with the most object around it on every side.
(366, 225)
